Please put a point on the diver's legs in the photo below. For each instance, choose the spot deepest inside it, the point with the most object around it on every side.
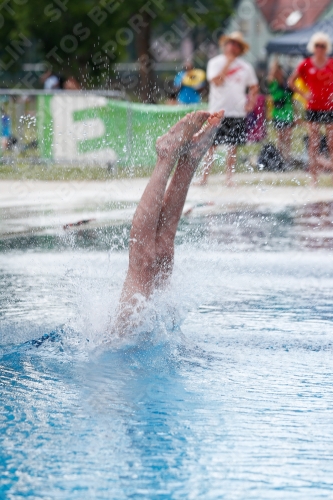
(142, 250)
(175, 196)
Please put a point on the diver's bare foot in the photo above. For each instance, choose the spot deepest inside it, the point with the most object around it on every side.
(203, 140)
(178, 138)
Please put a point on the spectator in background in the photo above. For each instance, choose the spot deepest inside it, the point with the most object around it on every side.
(172, 98)
(50, 80)
(8, 141)
(317, 73)
(229, 77)
(190, 82)
(283, 113)
(255, 118)
(71, 84)
(5, 130)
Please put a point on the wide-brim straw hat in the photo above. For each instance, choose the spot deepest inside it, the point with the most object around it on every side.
(236, 36)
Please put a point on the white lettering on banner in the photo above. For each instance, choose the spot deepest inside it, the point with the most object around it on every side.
(67, 132)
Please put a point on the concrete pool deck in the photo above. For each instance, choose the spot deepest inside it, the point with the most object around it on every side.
(40, 205)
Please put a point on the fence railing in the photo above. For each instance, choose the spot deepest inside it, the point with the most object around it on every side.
(114, 94)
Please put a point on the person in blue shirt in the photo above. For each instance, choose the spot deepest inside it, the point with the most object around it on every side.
(5, 130)
(189, 81)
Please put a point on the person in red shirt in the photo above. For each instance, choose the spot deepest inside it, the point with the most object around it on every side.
(317, 73)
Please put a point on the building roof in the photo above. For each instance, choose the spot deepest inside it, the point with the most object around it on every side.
(284, 15)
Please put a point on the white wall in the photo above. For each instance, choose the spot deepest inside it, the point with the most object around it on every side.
(249, 20)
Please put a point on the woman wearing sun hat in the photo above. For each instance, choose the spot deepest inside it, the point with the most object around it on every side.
(317, 74)
(229, 77)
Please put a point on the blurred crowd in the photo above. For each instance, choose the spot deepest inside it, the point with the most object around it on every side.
(280, 100)
(53, 81)
(306, 96)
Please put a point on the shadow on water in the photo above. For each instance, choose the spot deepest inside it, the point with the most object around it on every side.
(112, 238)
(309, 226)
(293, 228)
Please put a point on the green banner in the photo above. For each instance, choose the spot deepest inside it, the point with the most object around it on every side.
(98, 129)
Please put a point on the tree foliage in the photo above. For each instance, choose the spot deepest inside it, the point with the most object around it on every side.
(86, 37)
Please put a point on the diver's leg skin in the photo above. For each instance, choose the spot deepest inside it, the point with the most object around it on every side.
(142, 251)
(175, 196)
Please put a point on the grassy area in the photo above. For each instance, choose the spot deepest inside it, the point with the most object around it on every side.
(21, 168)
(54, 172)
(282, 179)
(244, 176)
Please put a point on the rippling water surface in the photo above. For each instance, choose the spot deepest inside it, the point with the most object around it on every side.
(225, 392)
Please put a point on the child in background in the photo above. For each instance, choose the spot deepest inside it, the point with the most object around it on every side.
(5, 130)
(190, 82)
(255, 118)
(283, 113)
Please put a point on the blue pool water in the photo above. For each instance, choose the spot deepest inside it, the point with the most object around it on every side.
(224, 392)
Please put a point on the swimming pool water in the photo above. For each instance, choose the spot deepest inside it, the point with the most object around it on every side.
(225, 392)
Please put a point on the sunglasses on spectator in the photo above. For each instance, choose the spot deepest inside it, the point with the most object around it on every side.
(320, 46)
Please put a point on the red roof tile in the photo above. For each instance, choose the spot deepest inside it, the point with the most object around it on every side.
(276, 12)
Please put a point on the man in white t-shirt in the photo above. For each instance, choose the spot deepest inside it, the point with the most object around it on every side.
(230, 77)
